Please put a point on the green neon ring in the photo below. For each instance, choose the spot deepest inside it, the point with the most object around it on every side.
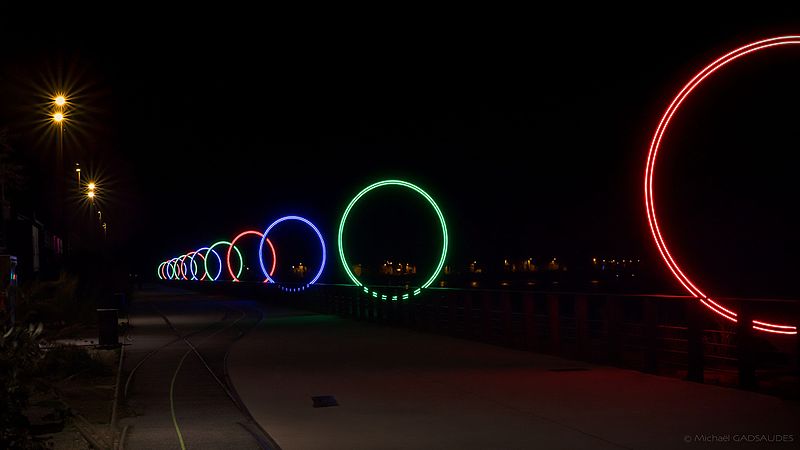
(158, 270)
(205, 261)
(173, 275)
(430, 200)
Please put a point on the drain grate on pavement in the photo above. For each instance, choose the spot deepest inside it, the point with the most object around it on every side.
(324, 401)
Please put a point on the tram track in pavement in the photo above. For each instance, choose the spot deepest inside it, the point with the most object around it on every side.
(161, 347)
(195, 400)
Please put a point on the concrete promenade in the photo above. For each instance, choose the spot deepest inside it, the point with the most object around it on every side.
(398, 388)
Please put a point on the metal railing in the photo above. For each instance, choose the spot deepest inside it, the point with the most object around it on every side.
(658, 334)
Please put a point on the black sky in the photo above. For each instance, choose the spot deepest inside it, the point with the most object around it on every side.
(530, 129)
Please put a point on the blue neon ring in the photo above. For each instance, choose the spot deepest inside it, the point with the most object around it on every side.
(194, 274)
(183, 267)
(264, 238)
(172, 272)
(205, 262)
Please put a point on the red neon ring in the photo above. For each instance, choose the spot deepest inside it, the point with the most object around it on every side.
(166, 263)
(181, 266)
(192, 262)
(230, 247)
(178, 268)
(650, 170)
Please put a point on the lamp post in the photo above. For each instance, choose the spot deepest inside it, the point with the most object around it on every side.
(59, 117)
(58, 120)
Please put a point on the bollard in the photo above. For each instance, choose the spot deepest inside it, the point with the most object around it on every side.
(107, 327)
(120, 301)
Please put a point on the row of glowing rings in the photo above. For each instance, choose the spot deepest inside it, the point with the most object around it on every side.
(176, 268)
(185, 267)
(661, 244)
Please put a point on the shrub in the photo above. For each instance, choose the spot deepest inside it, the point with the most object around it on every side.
(20, 356)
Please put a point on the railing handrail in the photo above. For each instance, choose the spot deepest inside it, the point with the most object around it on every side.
(588, 294)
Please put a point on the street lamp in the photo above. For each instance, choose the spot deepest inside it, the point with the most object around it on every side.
(58, 119)
(90, 191)
(60, 100)
(78, 171)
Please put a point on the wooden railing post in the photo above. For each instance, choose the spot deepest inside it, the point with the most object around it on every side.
(508, 317)
(745, 347)
(413, 312)
(393, 312)
(452, 312)
(376, 310)
(439, 323)
(360, 307)
(553, 315)
(582, 326)
(486, 316)
(469, 322)
(529, 319)
(797, 346)
(430, 313)
(651, 347)
(613, 313)
(695, 341)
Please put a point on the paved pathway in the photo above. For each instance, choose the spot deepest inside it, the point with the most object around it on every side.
(399, 388)
(176, 397)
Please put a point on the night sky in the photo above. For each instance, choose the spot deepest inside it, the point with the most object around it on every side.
(531, 131)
